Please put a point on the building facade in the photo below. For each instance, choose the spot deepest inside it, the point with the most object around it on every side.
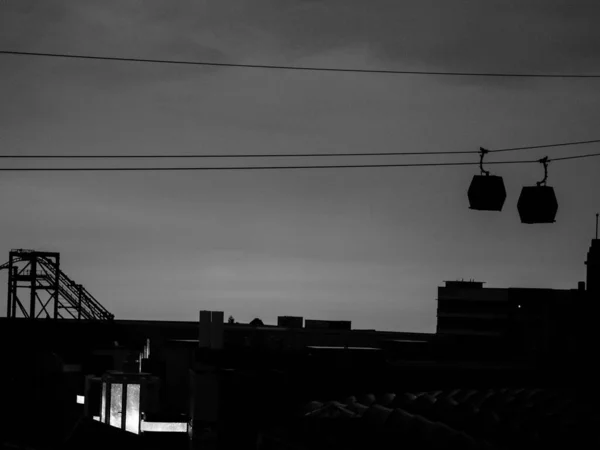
(521, 323)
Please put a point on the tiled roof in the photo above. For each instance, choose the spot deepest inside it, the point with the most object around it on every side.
(512, 418)
(330, 410)
(353, 425)
(534, 416)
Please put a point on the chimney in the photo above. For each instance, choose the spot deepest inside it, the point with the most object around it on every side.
(211, 330)
(216, 330)
(581, 286)
(204, 336)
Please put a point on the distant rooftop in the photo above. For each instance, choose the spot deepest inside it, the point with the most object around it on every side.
(332, 347)
(465, 284)
(408, 341)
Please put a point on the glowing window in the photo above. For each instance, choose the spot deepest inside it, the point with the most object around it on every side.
(103, 404)
(173, 427)
(80, 399)
(116, 404)
(132, 419)
(146, 351)
(96, 418)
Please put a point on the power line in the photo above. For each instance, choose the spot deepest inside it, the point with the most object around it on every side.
(532, 147)
(312, 69)
(348, 166)
(564, 158)
(353, 166)
(290, 155)
(264, 155)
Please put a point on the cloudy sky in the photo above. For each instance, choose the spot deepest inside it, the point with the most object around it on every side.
(367, 245)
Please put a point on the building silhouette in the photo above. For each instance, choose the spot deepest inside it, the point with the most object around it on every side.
(217, 385)
(519, 323)
(593, 269)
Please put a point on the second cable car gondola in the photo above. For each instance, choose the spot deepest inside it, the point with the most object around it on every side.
(538, 204)
(486, 192)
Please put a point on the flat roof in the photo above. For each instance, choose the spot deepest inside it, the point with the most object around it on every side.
(329, 347)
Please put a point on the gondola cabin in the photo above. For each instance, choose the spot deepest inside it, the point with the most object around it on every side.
(537, 204)
(487, 193)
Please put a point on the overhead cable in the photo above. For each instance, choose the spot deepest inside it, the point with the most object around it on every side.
(302, 68)
(238, 155)
(286, 155)
(208, 168)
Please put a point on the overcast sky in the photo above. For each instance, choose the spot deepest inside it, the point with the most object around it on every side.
(367, 245)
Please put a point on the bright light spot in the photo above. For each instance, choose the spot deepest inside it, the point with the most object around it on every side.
(103, 404)
(173, 427)
(80, 399)
(132, 419)
(96, 418)
(116, 404)
(518, 306)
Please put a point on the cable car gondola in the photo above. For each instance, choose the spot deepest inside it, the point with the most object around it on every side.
(486, 192)
(538, 204)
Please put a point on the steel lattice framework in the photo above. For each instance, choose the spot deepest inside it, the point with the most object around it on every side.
(51, 291)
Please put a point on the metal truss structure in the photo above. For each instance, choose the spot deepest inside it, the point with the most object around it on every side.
(51, 292)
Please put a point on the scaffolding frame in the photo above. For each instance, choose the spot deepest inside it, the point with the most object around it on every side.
(50, 290)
